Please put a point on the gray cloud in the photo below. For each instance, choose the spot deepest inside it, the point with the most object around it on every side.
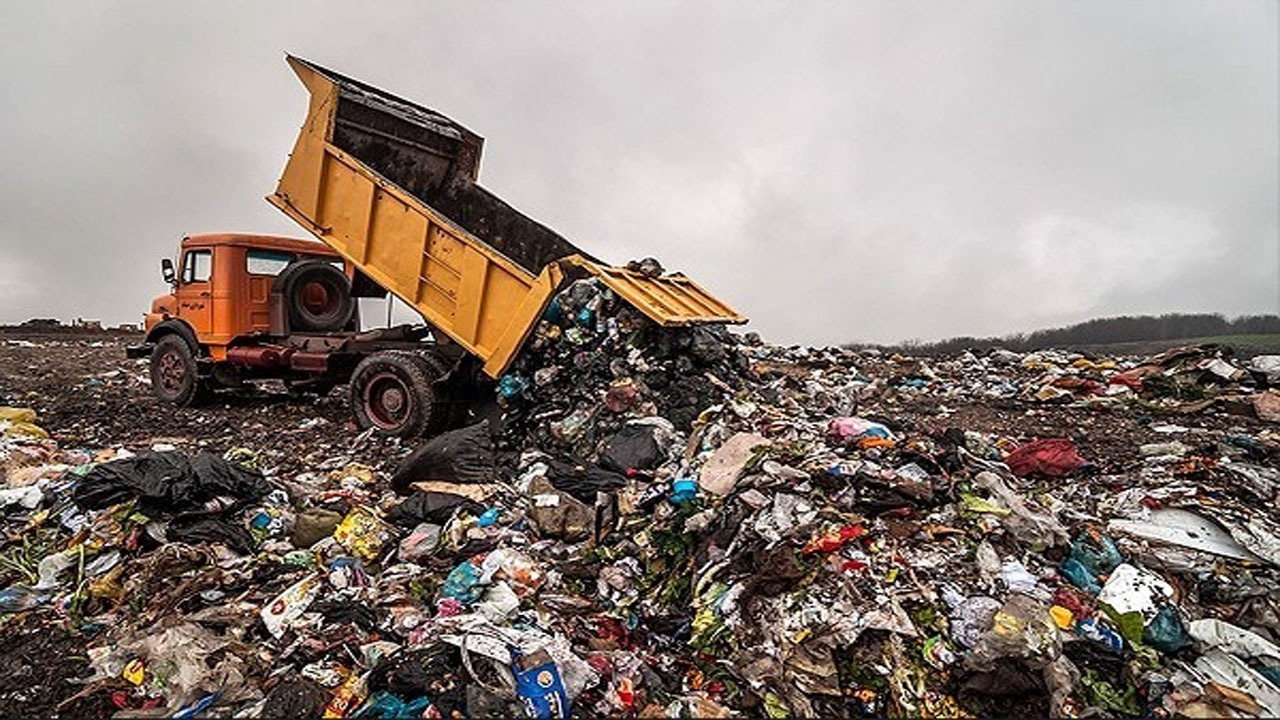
(866, 171)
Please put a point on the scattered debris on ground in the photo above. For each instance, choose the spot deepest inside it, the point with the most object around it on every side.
(662, 523)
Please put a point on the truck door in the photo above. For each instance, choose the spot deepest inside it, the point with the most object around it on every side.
(195, 291)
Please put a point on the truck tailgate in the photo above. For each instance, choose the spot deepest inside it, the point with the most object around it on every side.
(667, 300)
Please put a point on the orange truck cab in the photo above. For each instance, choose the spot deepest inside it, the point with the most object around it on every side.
(222, 287)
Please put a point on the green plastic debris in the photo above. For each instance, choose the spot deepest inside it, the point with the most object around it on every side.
(973, 503)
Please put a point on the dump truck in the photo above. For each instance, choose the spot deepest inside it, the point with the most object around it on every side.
(390, 189)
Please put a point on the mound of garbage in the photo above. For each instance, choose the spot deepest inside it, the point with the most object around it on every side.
(681, 522)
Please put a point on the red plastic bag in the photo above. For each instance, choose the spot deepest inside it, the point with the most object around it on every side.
(834, 540)
(1054, 457)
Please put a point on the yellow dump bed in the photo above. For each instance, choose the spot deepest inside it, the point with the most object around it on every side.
(392, 186)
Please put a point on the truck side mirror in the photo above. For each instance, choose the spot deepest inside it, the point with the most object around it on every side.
(166, 269)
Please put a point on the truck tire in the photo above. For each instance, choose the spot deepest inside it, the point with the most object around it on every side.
(317, 296)
(175, 377)
(391, 392)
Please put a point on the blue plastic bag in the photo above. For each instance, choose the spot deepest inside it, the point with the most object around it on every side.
(512, 386)
(463, 583)
(1165, 631)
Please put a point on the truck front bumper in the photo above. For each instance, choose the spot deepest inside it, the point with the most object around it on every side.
(134, 352)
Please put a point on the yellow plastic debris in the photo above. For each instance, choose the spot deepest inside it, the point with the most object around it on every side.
(359, 471)
(134, 671)
(21, 422)
(362, 534)
(1062, 616)
(15, 414)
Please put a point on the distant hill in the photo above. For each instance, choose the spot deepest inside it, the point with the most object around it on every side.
(51, 326)
(1243, 346)
(1249, 334)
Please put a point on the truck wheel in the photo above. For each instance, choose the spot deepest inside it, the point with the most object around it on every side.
(317, 296)
(174, 377)
(391, 392)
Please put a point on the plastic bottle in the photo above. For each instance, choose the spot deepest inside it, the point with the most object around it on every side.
(18, 598)
(684, 490)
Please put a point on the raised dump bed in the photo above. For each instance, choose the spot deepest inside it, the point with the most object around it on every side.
(391, 186)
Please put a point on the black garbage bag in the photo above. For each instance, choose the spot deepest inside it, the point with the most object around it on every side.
(200, 528)
(338, 611)
(295, 697)
(432, 507)
(634, 447)
(582, 482)
(464, 455)
(436, 672)
(168, 482)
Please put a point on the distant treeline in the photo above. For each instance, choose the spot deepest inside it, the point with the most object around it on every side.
(1104, 331)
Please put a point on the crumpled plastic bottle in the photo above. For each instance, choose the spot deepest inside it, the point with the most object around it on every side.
(18, 598)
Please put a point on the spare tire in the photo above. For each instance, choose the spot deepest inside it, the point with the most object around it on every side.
(316, 296)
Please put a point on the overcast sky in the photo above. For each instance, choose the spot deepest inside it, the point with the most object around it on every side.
(846, 171)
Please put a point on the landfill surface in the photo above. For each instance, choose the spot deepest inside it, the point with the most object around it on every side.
(652, 523)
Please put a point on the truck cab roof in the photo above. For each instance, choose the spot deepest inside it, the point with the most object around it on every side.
(264, 242)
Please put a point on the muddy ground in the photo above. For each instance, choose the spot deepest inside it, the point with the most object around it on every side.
(87, 394)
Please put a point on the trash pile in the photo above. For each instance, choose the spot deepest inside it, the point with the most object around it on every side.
(593, 362)
(1182, 380)
(681, 523)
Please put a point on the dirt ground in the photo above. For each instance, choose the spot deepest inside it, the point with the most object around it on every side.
(87, 394)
